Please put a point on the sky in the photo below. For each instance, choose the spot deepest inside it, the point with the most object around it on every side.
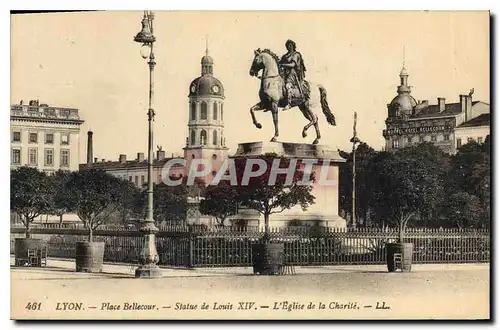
(89, 61)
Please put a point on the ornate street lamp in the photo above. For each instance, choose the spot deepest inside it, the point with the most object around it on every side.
(149, 257)
(354, 140)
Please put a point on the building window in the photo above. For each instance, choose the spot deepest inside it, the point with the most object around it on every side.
(64, 113)
(33, 137)
(49, 157)
(214, 138)
(193, 137)
(64, 138)
(16, 136)
(193, 111)
(479, 140)
(33, 156)
(421, 139)
(433, 138)
(64, 157)
(214, 156)
(130, 178)
(459, 143)
(216, 109)
(203, 137)
(142, 180)
(469, 140)
(49, 138)
(447, 137)
(203, 114)
(16, 156)
(395, 143)
(136, 180)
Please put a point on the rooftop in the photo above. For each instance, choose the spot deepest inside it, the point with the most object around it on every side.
(432, 110)
(35, 110)
(129, 164)
(481, 120)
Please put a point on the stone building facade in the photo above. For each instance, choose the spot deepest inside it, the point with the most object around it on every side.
(410, 122)
(45, 137)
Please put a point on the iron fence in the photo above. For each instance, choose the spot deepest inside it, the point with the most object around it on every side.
(230, 247)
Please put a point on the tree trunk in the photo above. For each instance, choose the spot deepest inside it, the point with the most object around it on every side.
(27, 224)
(60, 219)
(266, 227)
(91, 234)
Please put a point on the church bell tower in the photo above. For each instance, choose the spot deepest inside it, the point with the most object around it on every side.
(205, 138)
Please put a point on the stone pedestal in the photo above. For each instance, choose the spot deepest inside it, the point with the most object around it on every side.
(325, 189)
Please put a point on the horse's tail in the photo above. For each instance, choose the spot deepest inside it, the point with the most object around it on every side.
(330, 118)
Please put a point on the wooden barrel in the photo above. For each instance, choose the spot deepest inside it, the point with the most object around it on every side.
(267, 258)
(89, 257)
(406, 251)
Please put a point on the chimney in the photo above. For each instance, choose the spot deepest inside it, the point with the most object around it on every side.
(468, 107)
(103, 160)
(95, 159)
(441, 103)
(140, 157)
(463, 103)
(90, 150)
(160, 154)
(123, 158)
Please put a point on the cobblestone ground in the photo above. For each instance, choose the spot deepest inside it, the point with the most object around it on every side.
(429, 292)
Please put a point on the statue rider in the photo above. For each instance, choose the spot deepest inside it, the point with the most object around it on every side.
(294, 73)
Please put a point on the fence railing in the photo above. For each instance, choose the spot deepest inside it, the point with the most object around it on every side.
(184, 246)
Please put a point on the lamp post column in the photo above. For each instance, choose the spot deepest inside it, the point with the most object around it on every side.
(354, 140)
(149, 257)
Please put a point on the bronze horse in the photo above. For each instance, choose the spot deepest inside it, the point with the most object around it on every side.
(272, 95)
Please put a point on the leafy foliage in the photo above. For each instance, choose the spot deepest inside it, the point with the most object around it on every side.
(30, 194)
(410, 183)
(267, 198)
(95, 195)
(60, 204)
(220, 201)
(464, 211)
(364, 158)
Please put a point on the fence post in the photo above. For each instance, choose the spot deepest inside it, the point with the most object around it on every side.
(191, 249)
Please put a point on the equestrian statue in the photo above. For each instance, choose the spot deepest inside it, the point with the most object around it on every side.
(283, 85)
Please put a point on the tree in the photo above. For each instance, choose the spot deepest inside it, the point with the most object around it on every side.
(169, 203)
(464, 210)
(60, 199)
(95, 195)
(220, 202)
(471, 173)
(269, 199)
(364, 158)
(30, 194)
(131, 204)
(409, 184)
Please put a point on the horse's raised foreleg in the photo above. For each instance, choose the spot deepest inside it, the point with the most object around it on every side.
(274, 110)
(256, 107)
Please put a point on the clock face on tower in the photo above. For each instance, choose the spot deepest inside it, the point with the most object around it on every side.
(215, 89)
(193, 88)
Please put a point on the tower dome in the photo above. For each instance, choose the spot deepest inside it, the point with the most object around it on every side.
(206, 84)
(403, 103)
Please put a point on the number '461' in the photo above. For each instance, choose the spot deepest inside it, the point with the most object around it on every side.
(34, 306)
